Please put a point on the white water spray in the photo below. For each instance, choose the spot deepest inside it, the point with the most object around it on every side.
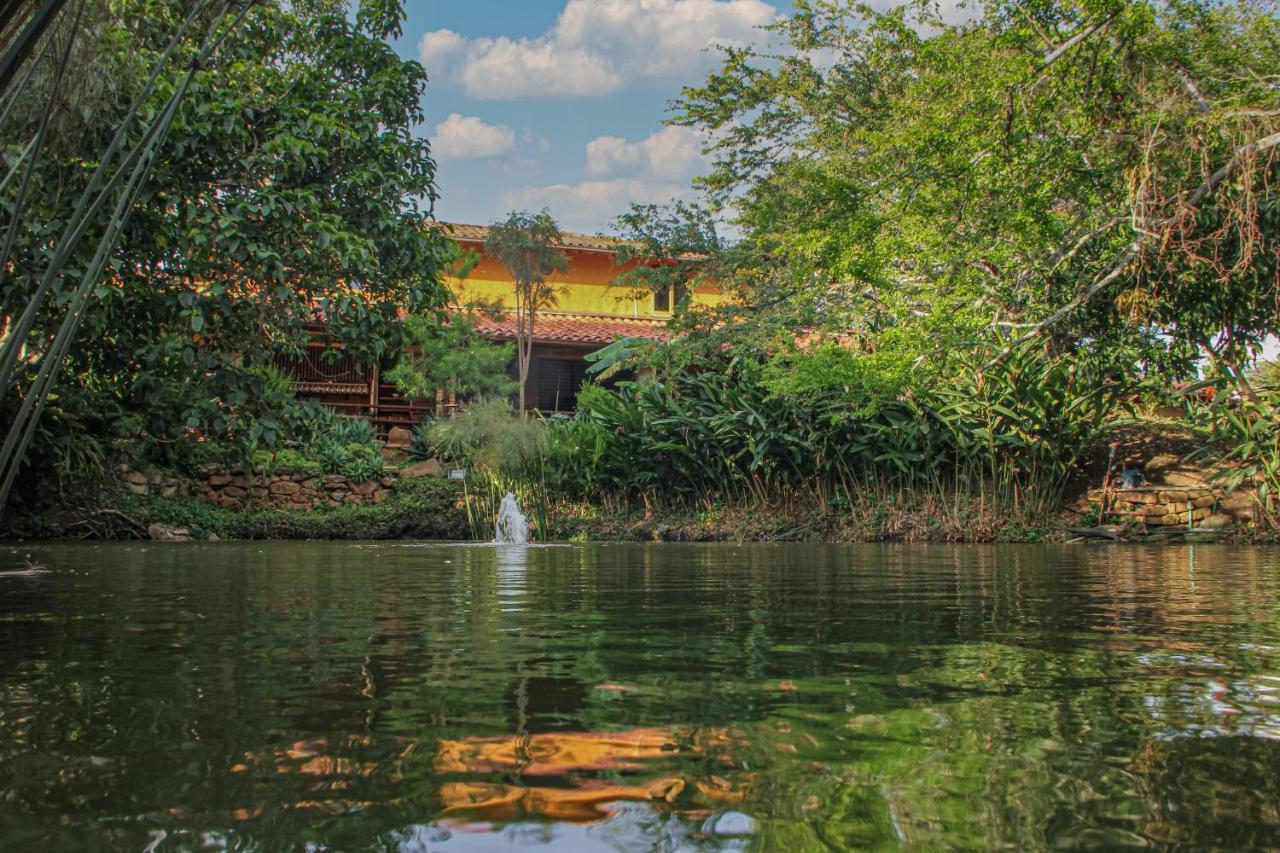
(511, 528)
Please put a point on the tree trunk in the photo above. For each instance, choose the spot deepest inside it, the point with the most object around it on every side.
(524, 340)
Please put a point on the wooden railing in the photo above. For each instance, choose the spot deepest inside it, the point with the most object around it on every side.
(334, 379)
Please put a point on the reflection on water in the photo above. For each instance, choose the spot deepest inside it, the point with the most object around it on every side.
(364, 696)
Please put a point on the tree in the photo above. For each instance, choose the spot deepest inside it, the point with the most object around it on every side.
(526, 244)
(671, 249)
(453, 358)
(291, 190)
(1080, 175)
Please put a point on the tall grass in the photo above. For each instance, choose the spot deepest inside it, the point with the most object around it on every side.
(976, 444)
(1009, 436)
(503, 453)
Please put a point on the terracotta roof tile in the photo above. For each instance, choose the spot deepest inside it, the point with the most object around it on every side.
(562, 327)
(568, 239)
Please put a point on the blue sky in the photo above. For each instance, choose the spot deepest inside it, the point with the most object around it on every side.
(559, 103)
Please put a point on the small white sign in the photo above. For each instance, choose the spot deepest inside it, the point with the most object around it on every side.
(457, 473)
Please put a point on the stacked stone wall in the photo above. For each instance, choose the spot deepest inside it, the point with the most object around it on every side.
(1200, 506)
(239, 488)
(289, 489)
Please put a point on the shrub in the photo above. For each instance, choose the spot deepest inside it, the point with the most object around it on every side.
(348, 431)
(363, 462)
(1010, 433)
(286, 459)
(420, 448)
(488, 435)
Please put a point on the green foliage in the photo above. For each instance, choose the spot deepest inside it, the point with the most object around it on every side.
(452, 357)
(1250, 434)
(503, 452)
(306, 420)
(287, 459)
(1010, 435)
(609, 360)
(673, 250)
(420, 447)
(488, 437)
(1266, 377)
(331, 445)
(348, 431)
(356, 461)
(364, 462)
(526, 244)
(423, 506)
(1026, 165)
(291, 182)
(866, 380)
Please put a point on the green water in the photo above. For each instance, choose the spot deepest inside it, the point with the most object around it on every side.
(448, 697)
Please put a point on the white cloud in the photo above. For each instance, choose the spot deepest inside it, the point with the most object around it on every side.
(654, 170)
(586, 205)
(461, 137)
(528, 137)
(596, 47)
(441, 49)
(606, 154)
(670, 154)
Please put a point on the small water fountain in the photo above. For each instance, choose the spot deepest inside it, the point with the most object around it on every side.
(512, 527)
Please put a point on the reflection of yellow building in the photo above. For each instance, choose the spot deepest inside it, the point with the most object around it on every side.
(590, 311)
(546, 754)
(575, 757)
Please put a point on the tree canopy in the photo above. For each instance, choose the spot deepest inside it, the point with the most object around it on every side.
(291, 192)
(527, 245)
(1092, 175)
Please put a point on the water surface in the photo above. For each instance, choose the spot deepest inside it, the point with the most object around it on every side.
(453, 697)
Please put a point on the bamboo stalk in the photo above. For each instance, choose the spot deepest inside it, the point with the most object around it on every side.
(20, 201)
(14, 55)
(23, 428)
(87, 206)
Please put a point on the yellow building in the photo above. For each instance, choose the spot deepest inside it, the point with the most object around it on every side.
(589, 313)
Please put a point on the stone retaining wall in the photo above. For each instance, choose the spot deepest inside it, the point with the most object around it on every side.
(1200, 506)
(151, 481)
(239, 488)
(283, 489)
(290, 489)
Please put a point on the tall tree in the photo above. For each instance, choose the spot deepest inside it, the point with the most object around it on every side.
(290, 190)
(527, 245)
(1079, 173)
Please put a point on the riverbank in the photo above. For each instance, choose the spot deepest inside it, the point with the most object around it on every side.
(421, 508)
(415, 501)
(435, 508)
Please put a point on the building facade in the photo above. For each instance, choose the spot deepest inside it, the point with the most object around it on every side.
(590, 312)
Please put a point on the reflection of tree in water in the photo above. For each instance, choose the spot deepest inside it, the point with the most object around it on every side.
(1211, 791)
(846, 697)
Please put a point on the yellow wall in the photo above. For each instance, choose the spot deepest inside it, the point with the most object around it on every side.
(584, 288)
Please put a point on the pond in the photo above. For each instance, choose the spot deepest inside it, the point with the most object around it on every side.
(410, 696)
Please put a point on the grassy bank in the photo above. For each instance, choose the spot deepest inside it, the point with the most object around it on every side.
(421, 508)
(891, 518)
(436, 510)
(433, 508)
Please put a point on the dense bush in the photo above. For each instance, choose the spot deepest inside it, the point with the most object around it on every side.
(422, 507)
(322, 441)
(1007, 437)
